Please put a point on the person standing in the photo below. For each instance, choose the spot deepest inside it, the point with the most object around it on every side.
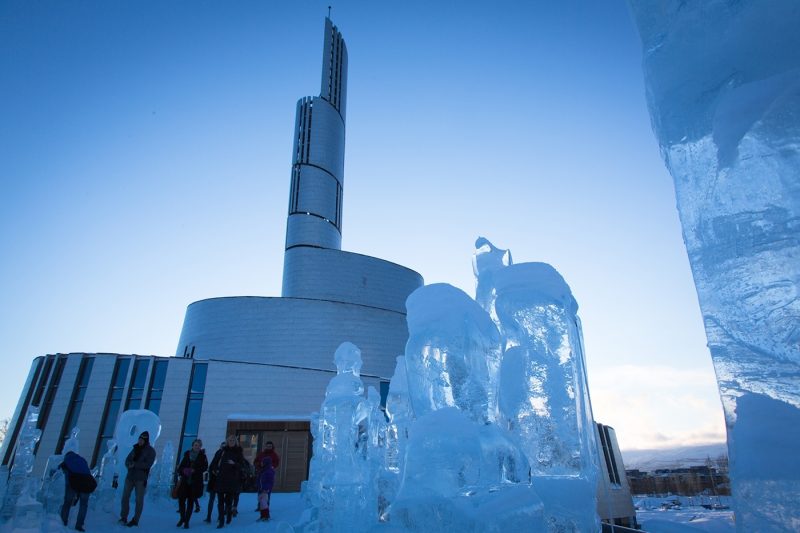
(228, 468)
(138, 463)
(79, 483)
(268, 451)
(190, 480)
(265, 482)
(212, 482)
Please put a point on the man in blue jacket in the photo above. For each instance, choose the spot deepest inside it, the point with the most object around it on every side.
(79, 483)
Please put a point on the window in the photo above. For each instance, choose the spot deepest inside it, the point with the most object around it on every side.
(136, 391)
(37, 397)
(608, 453)
(194, 405)
(157, 380)
(74, 410)
(50, 397)
(114, 402)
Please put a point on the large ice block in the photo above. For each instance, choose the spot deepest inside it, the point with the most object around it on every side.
(723, 88)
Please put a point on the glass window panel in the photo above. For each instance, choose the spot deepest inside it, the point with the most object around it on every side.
(140, 373)
(122, 373)
(159, 374)
(192, 417)
(154, 405)
(199, 378)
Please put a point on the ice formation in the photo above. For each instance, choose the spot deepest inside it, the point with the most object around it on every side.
(107, 478)
(487, 427)
(130, 425)
(52, 487)
(723, 87)
(162, 476)
(19, 501)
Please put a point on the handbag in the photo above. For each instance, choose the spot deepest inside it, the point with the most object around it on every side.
(175, 489)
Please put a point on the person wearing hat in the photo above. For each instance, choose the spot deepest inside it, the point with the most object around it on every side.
(138, 463)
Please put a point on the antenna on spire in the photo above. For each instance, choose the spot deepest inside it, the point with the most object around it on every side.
(329, 11)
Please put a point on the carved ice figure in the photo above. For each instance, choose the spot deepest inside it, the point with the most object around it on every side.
(108, 477)
(20, 501)
(130, 425)
(162, 474)
(400, 416)
(453, 353)
(544, 392)
(339, 466)
(464, 476)
(52, 486)
(461, 470)
(485, 262)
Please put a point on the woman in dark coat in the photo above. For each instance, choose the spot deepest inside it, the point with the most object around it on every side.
(211, 488)
(190, 479)
(228, 467)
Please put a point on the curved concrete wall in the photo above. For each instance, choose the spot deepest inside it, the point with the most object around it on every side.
(292, 332)
(347, 277)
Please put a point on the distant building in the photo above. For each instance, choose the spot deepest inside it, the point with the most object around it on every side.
(691, 481)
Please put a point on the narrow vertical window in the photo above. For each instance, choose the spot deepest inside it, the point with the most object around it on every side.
(44, 412)
(113, 404)
(75, 404)
(157, 379)
(136, 390)
(194, 405)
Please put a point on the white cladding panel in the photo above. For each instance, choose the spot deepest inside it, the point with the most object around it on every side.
(51, 433)
(292, 332)
(308, 229)
(327, 138)
(347, 277)
(173, 403)
(94, 403)
(317, 192)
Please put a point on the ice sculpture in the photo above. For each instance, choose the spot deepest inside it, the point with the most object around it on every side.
(162, 474)
(130, 425)
(452, 354)
(108, 477)
(544, 391)
(486, 429)
(343, 499)
(727, 124)
(52, 487)
(20, 501)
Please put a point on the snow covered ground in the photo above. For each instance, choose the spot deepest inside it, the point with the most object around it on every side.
(287, 508)
(662, 515)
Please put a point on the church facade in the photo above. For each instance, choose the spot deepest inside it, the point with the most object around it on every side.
(253, 366)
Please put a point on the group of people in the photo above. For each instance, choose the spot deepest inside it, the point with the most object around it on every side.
(227, 472)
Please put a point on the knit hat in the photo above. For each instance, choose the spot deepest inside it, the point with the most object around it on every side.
(145, 435)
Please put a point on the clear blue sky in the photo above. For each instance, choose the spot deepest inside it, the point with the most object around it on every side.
(145, 153)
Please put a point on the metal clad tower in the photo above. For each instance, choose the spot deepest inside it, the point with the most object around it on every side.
(315, 200)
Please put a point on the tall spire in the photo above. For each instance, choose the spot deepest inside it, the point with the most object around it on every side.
(315, 199)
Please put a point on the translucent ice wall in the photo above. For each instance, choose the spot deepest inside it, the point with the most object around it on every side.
(723, 87)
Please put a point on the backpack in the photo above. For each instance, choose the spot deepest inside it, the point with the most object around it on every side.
(82, 482)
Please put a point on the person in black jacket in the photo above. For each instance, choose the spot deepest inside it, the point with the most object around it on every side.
(79, 484)
(228, 468)
(212, 482)
(139, 462)
(190, 480)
